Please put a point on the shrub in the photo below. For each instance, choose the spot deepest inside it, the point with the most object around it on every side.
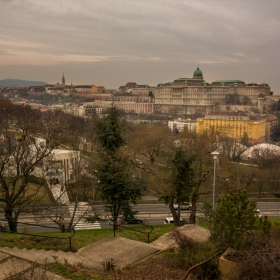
(234, 218)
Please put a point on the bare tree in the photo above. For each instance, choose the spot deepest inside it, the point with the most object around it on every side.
(22, 156)
(66, 185)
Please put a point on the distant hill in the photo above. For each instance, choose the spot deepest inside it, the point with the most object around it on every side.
(18, 83)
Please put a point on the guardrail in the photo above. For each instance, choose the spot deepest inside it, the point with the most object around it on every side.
(46, 236)
(111, 223)
(270, 211)
(198, 213)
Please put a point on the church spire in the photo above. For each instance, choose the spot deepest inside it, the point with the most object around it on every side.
(63, 80)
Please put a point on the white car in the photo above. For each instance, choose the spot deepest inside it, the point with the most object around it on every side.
(170, 220)
(258, 213)
(183, 206)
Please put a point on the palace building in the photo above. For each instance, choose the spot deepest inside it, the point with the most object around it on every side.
(190, 96)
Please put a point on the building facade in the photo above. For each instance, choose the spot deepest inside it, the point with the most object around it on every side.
(182, 124)
(236, 125)
(271, 128)
(194, 96)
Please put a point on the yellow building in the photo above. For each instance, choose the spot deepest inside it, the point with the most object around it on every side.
(94, 88)
(236, 125)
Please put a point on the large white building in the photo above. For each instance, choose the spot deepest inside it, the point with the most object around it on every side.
(190, 96)
(182, 124)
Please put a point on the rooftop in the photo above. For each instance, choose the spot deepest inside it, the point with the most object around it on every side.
(228, 82)
(270, 118)
(227, 114)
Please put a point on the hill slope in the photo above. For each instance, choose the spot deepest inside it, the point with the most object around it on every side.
(18, 83)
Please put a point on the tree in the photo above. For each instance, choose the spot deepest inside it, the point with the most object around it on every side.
(151, 143)
(66, 186)
(274, 183)
(260, 261)
(200, 147)
(109, 131)
(118, 186)
(182, 181)
(234, 217)
(21, 159)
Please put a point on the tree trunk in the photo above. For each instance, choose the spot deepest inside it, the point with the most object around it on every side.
(195, 197)
(176, 215)
(12, 221)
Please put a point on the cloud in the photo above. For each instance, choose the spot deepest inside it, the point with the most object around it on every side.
(141, 35)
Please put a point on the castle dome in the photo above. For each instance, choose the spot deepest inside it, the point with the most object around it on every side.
(198, 72)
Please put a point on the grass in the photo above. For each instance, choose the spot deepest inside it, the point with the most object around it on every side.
(69, 272)
(82, 237)
(206, 224)
(274, 220)
(203, 223)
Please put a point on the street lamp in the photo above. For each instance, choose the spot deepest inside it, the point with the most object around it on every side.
(140, 169)
(228, 180)
(215, 156)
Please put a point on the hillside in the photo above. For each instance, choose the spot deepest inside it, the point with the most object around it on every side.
(18, 83)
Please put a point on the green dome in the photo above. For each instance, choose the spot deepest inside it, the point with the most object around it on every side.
(197, 72)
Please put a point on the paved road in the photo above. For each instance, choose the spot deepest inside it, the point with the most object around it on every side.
(269, 205)
(156, 213)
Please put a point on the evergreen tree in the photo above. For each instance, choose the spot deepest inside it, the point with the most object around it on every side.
(234, 217)
(109, 131)
(118, 186)
(181, 181)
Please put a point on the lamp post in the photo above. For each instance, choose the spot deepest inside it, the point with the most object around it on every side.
(140, 169)
(215, 156)
(228, 180)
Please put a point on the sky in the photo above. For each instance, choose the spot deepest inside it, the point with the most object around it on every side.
(111, 42)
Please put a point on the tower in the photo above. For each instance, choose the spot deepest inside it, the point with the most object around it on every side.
(63, 80)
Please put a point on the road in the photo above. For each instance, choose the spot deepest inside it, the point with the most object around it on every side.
(156, 213)
(162, 208)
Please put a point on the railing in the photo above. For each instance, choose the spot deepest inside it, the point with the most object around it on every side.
(111, 223)
(46, 236)
(198, 213)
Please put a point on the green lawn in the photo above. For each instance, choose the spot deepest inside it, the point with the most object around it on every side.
(274, 220)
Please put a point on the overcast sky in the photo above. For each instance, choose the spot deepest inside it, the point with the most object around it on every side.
(111, 42)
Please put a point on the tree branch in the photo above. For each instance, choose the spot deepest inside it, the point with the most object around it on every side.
(201, 263)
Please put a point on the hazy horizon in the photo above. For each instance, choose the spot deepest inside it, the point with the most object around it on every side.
(111, 43)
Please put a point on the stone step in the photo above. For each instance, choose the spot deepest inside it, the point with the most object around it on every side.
(13, 266)
(44, 256)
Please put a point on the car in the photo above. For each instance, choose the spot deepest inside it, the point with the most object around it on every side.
(183, 206)
(132, 220)
(2, 226)
(258, 213)
(170, 220)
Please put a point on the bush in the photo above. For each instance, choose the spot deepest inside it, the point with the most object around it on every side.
(190, 253)
(259, 262)
(184, 242)
(234, 218)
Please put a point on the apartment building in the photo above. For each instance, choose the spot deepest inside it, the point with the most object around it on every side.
(182, 124)
(235, 125)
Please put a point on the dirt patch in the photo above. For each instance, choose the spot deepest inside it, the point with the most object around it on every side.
(154, 268)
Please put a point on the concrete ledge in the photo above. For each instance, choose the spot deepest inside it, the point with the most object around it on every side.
(124, 251)
(226, 266)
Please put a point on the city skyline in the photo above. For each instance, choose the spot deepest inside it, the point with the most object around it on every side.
(111, 43)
